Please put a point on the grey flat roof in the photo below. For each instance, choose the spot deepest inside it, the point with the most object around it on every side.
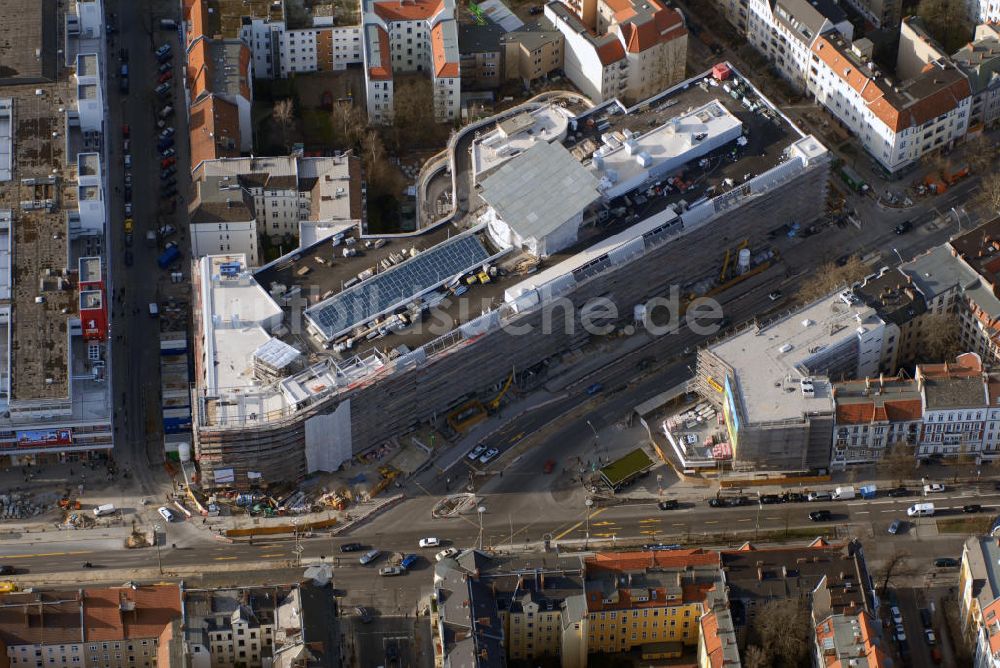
(937, 271)
(367, 299)
(954, 393)
(545, 179)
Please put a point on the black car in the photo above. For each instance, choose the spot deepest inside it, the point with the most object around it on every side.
(792, 497)
(898, 492)
(820, 516)
(669, 504)
(351, 547)
(903, 227)
(128, 258)
(128, 193)
(925, 617)
(972, 508)
(363, 615)
(6, 570)
(717, 503)
(769, 498)
(946, 562)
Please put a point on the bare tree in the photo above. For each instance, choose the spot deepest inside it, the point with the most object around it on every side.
(829, 277)
(783, 627)
(896, 565)
(948, 21)
(940, 334)
(898, 462)
(964, 463)
(989, 192)
(348, 125)
(413, 121)
(756, 657)
(284, 115)
(981, 152)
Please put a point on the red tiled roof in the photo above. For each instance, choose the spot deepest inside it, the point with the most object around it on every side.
(382, 72)
(40, 618)
(147, 611)
(621, 561)
(197, 13)
(610, 52)
(890, 411)
(245, 72)
(710, 636)
(215, 130)
(197, 67)
(442, 67)
(407, 10)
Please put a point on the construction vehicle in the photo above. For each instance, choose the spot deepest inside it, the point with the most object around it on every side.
(474, 411)
(494, 404)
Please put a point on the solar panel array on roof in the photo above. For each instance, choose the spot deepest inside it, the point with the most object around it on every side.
(380, 293)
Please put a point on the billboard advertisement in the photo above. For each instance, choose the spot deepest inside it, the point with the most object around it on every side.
(732, 416)
(40, 438)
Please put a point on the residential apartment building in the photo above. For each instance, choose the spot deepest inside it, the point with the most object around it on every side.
(626, 50)
(897, 123)
(902, 307)
(218, 87)
(850, 639)
(955, 407)
(55, 363)
(532, 52)
(784, 31)
(238, 199)
(984, 11)
(280, 51)
(411, 37)
(980, 61)
(979, 598)
(873, 415)
(115, 627)
(884, 14)
(482, 55)
(917, 49)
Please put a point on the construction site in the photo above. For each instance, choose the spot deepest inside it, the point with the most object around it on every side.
(441, 334)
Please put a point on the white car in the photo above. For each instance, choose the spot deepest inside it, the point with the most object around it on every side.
(128, 161)
(166, 513)
(490, 454)
(446, 552)
(429, 542)
(900, 633)
(930, 637)
(476, 451)
(128, 209)
(934, 487)
(897, 616)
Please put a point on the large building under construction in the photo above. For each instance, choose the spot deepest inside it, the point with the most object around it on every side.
(342, 345)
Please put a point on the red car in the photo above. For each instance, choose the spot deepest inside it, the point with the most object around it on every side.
(166, 162)
(550, 465)
(125, 130)
(165, 77)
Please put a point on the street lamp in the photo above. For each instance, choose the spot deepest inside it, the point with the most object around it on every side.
(901, 260)
(596, 439)
(589, 503)
(156, 541)
(481, 510)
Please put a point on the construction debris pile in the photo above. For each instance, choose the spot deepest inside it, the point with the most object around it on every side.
(17, 506)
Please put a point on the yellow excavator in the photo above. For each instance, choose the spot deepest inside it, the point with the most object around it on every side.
(473, 412)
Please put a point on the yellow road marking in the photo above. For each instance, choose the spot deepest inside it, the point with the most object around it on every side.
(517, 438)
(649, 521)
(712, 522)
(225, 558)
(605, 523)
(579, 524)
(40, 554)
(604, 535)
(273, 554)
(649, 533)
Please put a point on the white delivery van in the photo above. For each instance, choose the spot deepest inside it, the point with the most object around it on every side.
(104, 510)
(920, 510)
(844, 493)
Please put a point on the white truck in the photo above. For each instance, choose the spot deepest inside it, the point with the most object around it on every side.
(844, 493)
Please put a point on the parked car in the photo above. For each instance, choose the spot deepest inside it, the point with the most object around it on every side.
(166, 513)
(972, 508)
(594, 389)
(168, 172)
(933, 488)
(792, 497)
(898, 492)
(128, 258)
(897, 615)
(669, 504)
(128, 178)
(363, 615)
(169, 153)
(127, 160)
(128, 193)
(476, 452)
(900, 633)
(925, 617)
(125, 130)
(488, 455)
(429, 542)
(775, 295)
(535, 10)
(388, 571)
(6, 569)
(896, 527)
(447, 552)
(167, 133)
(128, 208)
(369, 556)
(819, 496)
(946, 562)
(820, 516)
(766, 499)
(162, 90)
(165, 67)
(408, 561)
(351, 547)
(903, 227)
(165, 77)
(166, 162)
(930, 637)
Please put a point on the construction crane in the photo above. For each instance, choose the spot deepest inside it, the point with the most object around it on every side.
(495, 402)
